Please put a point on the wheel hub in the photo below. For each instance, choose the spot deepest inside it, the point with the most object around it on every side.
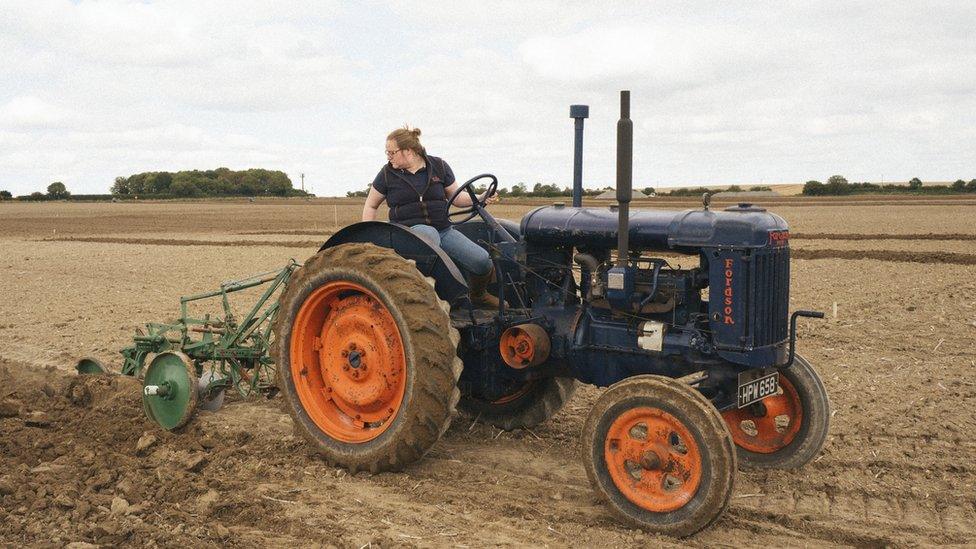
(352, 374)
(653, 459)
(355, 359)
(769, 425)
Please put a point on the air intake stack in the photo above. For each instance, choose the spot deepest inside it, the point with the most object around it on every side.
(578, 113)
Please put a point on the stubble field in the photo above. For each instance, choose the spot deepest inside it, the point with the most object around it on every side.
(898, 359)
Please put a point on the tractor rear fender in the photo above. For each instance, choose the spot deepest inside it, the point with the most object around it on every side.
(431, 260)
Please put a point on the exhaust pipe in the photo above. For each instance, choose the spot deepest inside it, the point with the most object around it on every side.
(625, 161)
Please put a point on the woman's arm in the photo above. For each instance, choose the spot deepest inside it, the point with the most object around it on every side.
(464, 200)
(373, 201)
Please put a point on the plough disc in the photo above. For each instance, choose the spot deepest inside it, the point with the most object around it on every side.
(210, 400)
(90, 365)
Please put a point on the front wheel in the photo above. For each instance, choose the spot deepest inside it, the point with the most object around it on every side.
(786, 430)
(659, 453)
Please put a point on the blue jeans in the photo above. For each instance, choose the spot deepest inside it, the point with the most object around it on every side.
(467, 254)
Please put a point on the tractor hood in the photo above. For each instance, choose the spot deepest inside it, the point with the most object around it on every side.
(742, 226)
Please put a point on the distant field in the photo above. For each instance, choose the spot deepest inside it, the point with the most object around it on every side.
(894, 274)
(793, 189)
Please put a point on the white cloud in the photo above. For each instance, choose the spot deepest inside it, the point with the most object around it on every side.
(92, 90)
(28, 112)
(669, 57)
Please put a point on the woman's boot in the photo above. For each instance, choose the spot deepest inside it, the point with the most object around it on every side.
(480, 297)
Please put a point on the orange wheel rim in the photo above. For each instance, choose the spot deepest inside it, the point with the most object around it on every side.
(347, 362)
(771, 426)
(653, 459)
(516, 394)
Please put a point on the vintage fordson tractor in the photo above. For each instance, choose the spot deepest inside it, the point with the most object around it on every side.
(377, 345)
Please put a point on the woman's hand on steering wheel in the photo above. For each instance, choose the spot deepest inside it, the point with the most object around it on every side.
(490, 196)
(490, 199)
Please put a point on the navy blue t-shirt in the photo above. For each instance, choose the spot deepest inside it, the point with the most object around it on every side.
(417, 180)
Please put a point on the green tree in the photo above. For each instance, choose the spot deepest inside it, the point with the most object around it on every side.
(734, 189)
(5, 195)
(837, 185)
(971, 186)
(813, 188)
(357, 194)
(57, 191)
(158, 183)
(121, 186)
(760, 188)
(518, 189)
(184, 187)
(37, 196)
(648, 191)
(959, 186)
(546, 189)
(915, 184)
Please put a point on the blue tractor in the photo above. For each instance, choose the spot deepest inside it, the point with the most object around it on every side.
(377, 345)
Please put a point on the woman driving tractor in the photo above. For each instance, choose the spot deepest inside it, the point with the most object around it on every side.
(418, 189)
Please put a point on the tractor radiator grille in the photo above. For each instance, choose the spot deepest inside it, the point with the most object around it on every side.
(770, 297)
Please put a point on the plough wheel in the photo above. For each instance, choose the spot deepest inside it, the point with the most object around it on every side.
(527, 406)
(169, 390)
(366, 357)
(659, 453)
(786, 430)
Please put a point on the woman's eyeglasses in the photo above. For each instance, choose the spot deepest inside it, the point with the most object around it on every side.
(389, 154)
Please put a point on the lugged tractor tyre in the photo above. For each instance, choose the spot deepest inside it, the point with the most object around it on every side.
(525, 408)
(659, 453)
(790, 428)
(367, 357)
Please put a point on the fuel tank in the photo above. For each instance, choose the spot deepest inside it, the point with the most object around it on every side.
(741, 226)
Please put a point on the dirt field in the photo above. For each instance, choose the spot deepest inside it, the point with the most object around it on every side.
(898, 359)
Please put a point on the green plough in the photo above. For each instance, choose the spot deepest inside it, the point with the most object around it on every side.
(194, 361)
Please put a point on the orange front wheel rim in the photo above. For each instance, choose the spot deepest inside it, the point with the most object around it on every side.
(769, 425)
(348, 364)
(653, 459)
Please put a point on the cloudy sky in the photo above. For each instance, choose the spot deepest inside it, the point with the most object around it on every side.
(722, 92)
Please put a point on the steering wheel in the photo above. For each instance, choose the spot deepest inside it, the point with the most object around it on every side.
(476, 203)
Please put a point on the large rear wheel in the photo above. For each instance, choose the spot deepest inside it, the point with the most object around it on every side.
(659, 453)
(366, 357)
(786, 430)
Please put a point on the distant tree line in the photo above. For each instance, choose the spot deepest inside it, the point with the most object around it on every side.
(192, 183)
(522, 190)
(55, 191)
(698, 191)
(837, 185)
(204, 183)
(548, 190)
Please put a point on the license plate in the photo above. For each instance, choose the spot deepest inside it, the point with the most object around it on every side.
(755, 385)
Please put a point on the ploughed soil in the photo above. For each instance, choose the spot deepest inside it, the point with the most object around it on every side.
(79, 463)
